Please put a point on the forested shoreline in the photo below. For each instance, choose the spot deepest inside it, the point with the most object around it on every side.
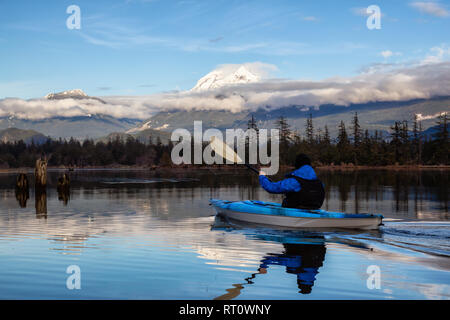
(354, 146)
(404, 145)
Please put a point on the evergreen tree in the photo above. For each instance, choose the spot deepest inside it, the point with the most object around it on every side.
(309, 130)
(417, 139)
(342, 137)
(441, 143)
(396, 141)
(326, 136)
(252, 124)
(285, 138)
(405, 143)
(356, 130)
(357, 136)
(343, 144)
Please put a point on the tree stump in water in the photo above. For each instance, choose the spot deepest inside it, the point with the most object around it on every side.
(40, 173)
(64, 188)
(64, 181)
(22, 182)
(40, 203)
(22, 190)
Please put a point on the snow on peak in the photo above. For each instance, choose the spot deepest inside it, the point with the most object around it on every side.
(76, 93)
(145, 126)
(220, 77)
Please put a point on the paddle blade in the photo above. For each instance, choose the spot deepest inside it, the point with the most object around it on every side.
(224, 150)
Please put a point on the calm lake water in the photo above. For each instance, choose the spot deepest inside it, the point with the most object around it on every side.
(146, 235)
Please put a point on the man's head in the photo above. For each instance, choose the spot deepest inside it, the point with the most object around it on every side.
(301, 160)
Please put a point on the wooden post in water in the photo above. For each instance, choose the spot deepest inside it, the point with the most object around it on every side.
(22, 182)
(40, 173)
(64, 188)
(22, 190)
(40, 203)
(64, 181)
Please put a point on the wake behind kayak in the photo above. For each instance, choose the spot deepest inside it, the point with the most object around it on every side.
(270, 213)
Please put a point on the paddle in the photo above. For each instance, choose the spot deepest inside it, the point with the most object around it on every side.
(224, 150)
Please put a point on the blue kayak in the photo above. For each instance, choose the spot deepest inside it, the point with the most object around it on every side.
(269, 213)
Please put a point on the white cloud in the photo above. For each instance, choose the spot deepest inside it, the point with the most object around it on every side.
(43, 108)
(388, 53)
(431, 7)
(391, 83)
(421, 117)
(437, 54)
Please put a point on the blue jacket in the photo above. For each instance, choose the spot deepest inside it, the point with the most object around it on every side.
(289, 184)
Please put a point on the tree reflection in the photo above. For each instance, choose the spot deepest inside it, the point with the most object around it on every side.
(41, 203)
(22, 196)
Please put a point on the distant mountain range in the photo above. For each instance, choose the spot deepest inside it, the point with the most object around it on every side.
(373, 116)
(30, 136)
(144, 136)
(79, 127)
(430, 133)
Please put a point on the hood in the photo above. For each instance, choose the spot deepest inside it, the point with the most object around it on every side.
(305, 172)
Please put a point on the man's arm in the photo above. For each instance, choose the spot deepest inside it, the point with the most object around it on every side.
(283, 186)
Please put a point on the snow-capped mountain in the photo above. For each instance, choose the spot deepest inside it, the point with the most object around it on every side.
(71, 94)
(220, 78)
(74, 94)
(79, 126)
(148, 125)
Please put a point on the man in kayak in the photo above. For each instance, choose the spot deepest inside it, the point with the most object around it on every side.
(302, 188)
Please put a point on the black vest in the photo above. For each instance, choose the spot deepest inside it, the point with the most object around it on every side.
(310, 196)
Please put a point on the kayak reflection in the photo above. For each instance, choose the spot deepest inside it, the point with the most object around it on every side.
(303, 254)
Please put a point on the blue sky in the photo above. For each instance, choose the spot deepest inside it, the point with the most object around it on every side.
(140, 47)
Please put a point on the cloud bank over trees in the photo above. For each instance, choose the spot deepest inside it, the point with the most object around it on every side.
(379, 82)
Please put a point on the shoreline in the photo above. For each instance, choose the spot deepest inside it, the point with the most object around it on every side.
(191, 168)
